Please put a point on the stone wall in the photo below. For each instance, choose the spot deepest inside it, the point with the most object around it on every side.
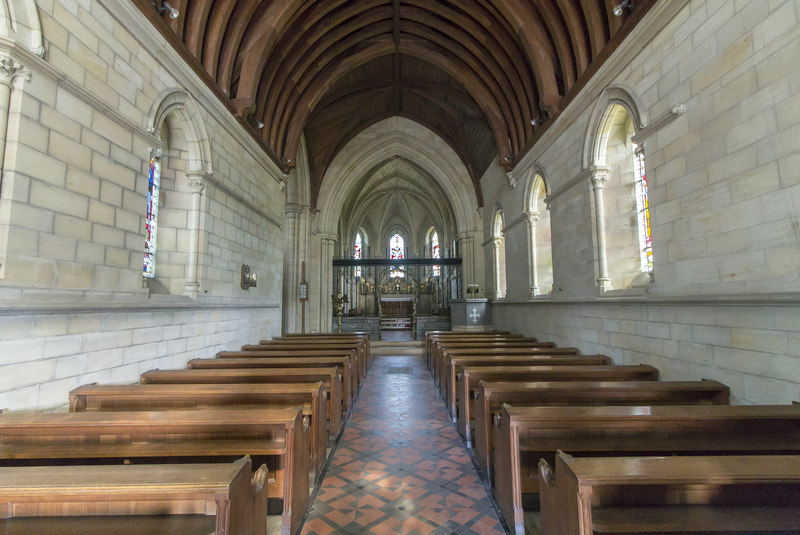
(724, 186)
(83, 117)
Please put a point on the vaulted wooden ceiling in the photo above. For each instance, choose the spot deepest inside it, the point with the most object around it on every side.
(476, 72)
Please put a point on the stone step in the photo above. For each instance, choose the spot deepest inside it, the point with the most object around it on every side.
(397, 348)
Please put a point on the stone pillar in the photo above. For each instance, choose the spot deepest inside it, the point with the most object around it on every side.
(197, 184)
(291, 262)
(598, 179)
(533, 272)
(498, 254)
(10, 71)
(466, 246)
(327, 249)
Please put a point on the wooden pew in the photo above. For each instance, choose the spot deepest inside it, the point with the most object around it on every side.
(550, 370)
(360, 348)
(219, 498)
(359, 335)
(526, 434)
(343, 364)
(277, 437)
(433, 337)
(491, 395)
(330, 377)
(308, 354)
(441, 350)
(703, 494)
(454, 362)
(309, 397)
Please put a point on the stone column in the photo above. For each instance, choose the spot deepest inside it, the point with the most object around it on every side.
(327, 248)
(466, 246)
(498, 253)
(291, 262)
(598, 179)
(197, 184)
(10, 71)
(533, 272)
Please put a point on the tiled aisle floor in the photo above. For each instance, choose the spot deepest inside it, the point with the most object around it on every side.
(400, 466)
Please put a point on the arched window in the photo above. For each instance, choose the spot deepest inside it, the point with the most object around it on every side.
(436, 252)
(499, 249)
(357, 254)
(643, 210)
(396, 252)
(151, 217)
(621, 187)
(540, 243)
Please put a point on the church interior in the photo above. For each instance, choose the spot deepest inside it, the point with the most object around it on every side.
(396, 183)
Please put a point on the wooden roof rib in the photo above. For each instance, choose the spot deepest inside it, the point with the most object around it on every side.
(474, 71)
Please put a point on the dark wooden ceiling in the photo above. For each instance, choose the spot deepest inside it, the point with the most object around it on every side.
(476, 72)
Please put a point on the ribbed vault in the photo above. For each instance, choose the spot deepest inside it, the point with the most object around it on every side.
(476, 72)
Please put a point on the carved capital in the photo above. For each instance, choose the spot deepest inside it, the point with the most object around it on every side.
(197, 185)
(11, 70)
(598, 178)
(532, 217)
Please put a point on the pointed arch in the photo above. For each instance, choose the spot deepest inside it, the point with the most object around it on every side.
(540, 251)
(187, 111)
(499, 252)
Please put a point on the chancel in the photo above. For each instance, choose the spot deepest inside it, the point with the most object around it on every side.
(495, 191)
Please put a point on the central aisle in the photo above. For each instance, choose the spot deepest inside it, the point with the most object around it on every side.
(400, 466)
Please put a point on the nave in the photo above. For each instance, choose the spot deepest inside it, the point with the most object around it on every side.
(400, 465)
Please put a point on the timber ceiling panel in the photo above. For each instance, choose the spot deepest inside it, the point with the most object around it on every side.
(476, 72)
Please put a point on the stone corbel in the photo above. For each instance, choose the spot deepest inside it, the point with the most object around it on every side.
(511, 180)
(648, 130)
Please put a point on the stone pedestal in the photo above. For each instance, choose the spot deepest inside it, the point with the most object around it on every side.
(471, 314)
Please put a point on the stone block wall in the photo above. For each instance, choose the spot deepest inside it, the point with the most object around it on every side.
(724, 188)
(82, 120)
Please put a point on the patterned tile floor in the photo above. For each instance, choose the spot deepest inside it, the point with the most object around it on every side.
(400, 466)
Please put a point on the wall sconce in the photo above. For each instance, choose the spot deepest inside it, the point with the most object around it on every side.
(259, 125)
(164, 7)
(619, 8)
(536, 121)
(249, 279)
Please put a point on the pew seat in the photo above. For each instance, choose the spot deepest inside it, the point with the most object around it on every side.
(277, 437)
(491, 395)
(702, 494)
(329, 376)
(524, 435)
(310, 397)
(219, 498)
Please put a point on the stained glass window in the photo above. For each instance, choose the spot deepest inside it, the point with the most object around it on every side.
(643, 212)
(436, 253)
(151, 219)
(396, 251)
(357, 254)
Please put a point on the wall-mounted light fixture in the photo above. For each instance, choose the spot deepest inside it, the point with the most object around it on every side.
(164, 7)
(536, 121)
(258, 125)
(620, 8)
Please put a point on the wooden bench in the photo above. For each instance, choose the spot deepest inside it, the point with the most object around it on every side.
(441, 350)
(358, 335)
(551, 370)
(491, 395)
(703, 494)
(309, 397)
(329, 376)
(220, 498)
(527, 434)
(360, 348)
(308, 354)
(343, 364)
(278, 438)
(433, 337)
(454, 363)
